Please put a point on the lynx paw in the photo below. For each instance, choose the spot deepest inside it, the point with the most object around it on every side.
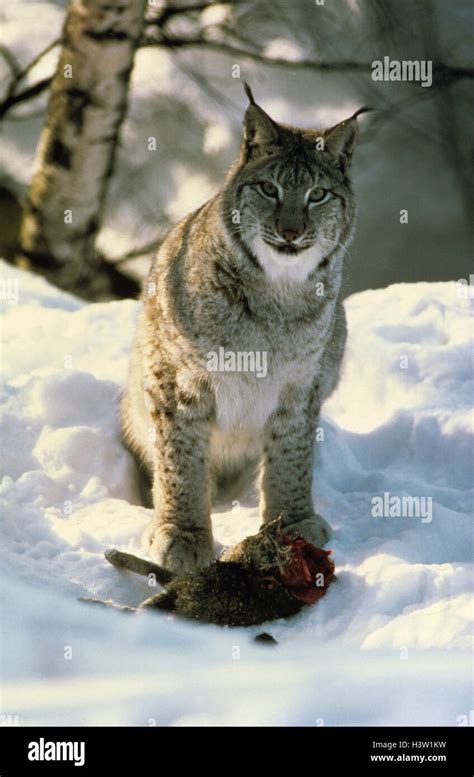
(182, 551)
(315, 530)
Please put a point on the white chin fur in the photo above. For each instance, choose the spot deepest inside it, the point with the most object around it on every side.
(286, 267)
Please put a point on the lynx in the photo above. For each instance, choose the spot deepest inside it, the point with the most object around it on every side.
(256, 270)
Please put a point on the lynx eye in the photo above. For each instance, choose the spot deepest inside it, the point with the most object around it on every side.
(269, 189)
(319, 194)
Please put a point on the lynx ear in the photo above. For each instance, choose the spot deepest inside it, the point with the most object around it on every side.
(259, 129)
(341, 139)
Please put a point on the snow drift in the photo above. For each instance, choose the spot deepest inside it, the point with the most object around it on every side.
(388, 644)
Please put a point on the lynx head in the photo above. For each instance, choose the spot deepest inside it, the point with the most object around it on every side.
(292, 192)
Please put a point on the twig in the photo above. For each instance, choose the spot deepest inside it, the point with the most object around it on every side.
(145, 249)
(14, 98)
(11, 61)
(26, 94)
(227, 48)
(37, 59)
(441, 70)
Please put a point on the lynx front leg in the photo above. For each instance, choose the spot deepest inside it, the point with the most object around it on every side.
(287, 468)
(180, 535)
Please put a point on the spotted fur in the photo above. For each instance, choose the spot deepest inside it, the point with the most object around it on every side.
(245, 272)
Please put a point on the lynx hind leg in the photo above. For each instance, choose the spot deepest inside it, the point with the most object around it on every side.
(134, 423)
(145, 485)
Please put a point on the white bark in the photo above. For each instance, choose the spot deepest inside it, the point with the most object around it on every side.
(75, 155)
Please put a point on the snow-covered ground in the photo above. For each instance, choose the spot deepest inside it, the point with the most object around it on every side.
(388, 644)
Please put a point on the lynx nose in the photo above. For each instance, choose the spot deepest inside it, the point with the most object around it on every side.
(289, 234)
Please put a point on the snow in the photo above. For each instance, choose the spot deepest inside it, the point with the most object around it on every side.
(281, 48)
(214, 15)
(389, 643)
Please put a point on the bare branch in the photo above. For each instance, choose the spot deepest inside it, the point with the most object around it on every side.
(156, 36)
(12, 96)
(441, 71)
(38, 58)
(26, 94)
(227, 48)
(148, 248)
(11, 61)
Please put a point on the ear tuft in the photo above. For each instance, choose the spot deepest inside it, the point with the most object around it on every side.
(364, 109)
(260, 131)
(249, 94)
(341, 139)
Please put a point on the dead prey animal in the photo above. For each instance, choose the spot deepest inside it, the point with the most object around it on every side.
(267, 576)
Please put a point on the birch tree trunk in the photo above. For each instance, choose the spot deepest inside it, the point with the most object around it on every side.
(75, 157)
